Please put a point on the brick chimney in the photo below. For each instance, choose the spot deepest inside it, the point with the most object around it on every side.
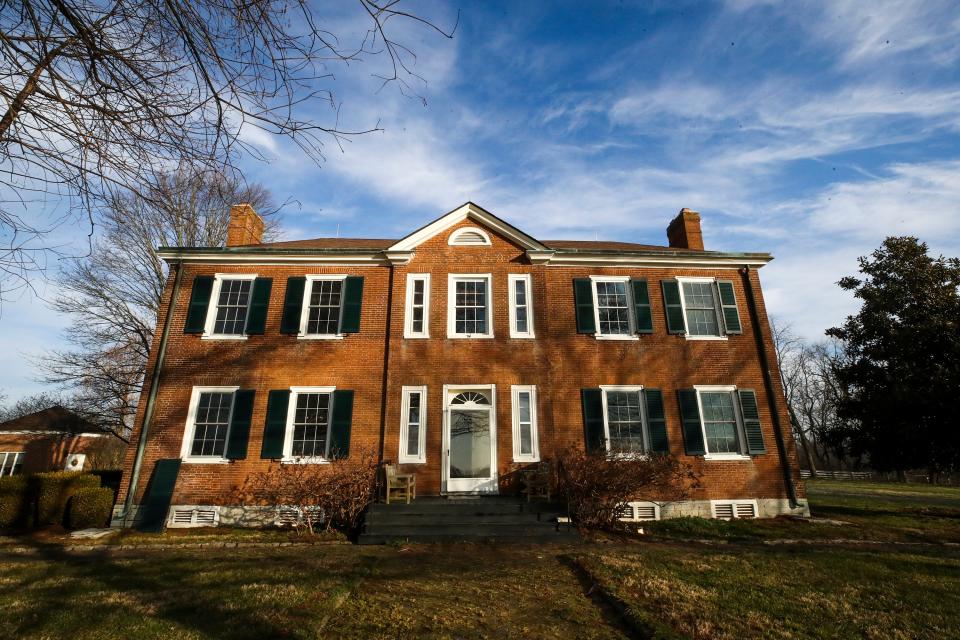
(684, 231)
(246, 226)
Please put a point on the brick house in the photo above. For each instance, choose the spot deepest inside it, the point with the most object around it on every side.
(52, 439)
(463, 352)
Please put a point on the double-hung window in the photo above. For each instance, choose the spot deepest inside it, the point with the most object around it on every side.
(612, 307)
(521, 306)
(709, 308)
(413, 425)
(416, 322)
(307, 437)
(322, 308)
(10, 463)
(208, 424)
(526, 447)
(624, 420)
(468, 306)
(721, 422)
(230, 305)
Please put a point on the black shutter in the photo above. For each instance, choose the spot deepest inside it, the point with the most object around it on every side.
(292, 305)
(152, 515)
(751, 422)
(583, 301)
(340, 424)
(259, 302)
(352, 300)
(199, 300)
(275, 426)
(672, 306)
(592, 401)
(641, 306)
(690, 417)
(240, 425)
(728, 302)
(656, 421)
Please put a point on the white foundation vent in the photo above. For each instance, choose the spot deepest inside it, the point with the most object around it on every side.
(194, 516)
(734, 509)
(294, 516)
(640, 512)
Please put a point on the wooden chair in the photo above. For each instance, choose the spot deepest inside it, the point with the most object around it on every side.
(400, 485)
(536, 482)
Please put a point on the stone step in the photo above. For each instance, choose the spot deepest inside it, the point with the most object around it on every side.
(542, 537)
(382, 517)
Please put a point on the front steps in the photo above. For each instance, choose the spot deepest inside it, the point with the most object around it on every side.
(466, 519)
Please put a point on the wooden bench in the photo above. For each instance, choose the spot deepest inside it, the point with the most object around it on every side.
(537, 481)
(401, 486)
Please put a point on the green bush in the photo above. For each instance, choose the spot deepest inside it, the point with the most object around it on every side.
(14, 502)
(90, 507)
(51, 492)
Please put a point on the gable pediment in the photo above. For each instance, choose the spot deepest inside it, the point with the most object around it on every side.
(483, 219)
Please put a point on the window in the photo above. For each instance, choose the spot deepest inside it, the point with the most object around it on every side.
(208, 424)
(469, 306)
(624, 420)
(413, 425)
(308, 424)
(417, 318)
(709, 308)
(721, 421)
(10, 463)
(469, 237)
(526, 447)
(612, 307)
(323, 301)
(227, 315)
(521, 308)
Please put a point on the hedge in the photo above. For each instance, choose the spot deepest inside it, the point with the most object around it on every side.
(14, 502)
(51, 492)
(90, 507)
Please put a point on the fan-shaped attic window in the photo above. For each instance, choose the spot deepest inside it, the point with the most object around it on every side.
(469, 237)
(470, 397)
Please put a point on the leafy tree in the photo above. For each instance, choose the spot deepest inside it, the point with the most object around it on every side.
(900, 380)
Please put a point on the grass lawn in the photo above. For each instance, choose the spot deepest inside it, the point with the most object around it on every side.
(732, 586)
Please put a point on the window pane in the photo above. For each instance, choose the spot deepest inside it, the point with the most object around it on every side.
(310, 425)
(324, 314)
(700, 307)
(471, 307)
(612, 309)
(520, 305)
(211, 424)
(413, 425)
(720, 422)
(625, 421)
(232, 307)
(525, 423)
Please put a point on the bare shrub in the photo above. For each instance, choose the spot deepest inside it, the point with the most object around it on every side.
(339, 491)
(597, 486)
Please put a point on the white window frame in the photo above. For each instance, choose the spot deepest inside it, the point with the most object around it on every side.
(454, 239)
(404, 457)
(5, 458)
(638, 388)
(305, 307)
(408, 331)
(288, 457)
(717, 308)
(512, 280)
(211, 319)
(515, 391)
(190, 426)
(741, 435)
(596, 309)
(452, 280)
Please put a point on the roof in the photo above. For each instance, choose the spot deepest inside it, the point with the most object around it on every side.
(55, 419)
(377, 244)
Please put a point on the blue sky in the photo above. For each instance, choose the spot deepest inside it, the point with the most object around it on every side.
(808, 129)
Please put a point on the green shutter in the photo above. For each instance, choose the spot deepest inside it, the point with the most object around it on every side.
(656, 421)
(199, 300)
(672, 306)
(340, 424)
(259, 302)
(583, 300)
(152, 515)
(751, 422)
(641, 306)
(592, 401)
(240, 425)
(275, 427)
(690, 417)
(728, 302)
(292, 305)
(352, 299)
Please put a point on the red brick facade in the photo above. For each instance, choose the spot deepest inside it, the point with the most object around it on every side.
(559, 360)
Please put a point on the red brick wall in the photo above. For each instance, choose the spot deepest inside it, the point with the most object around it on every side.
(559, 362)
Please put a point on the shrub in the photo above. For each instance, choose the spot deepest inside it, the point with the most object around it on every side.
(14, 502)
(597, 486)
(90, 507)
(52, 490)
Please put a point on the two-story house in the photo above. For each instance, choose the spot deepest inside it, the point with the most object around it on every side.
(462, 352)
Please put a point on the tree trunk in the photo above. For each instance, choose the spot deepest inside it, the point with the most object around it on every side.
(28, 89)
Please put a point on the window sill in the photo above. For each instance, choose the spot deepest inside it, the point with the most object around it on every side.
(415, 337)
(523, 336)
(321, 336)
(411, 461)
(470, 336)
(627, 456)
(216, 336)
(726, 456)
(689, 337)
(304, 461)
(211, 460)
(614, 336)
(526, 459)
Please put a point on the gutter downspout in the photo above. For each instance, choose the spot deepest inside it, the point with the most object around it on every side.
(771, 393)
(151, 398)
(386, 370)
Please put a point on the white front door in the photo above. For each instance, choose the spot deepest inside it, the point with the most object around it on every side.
(469, 439)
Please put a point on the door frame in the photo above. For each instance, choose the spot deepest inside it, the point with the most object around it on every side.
(492, 485)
